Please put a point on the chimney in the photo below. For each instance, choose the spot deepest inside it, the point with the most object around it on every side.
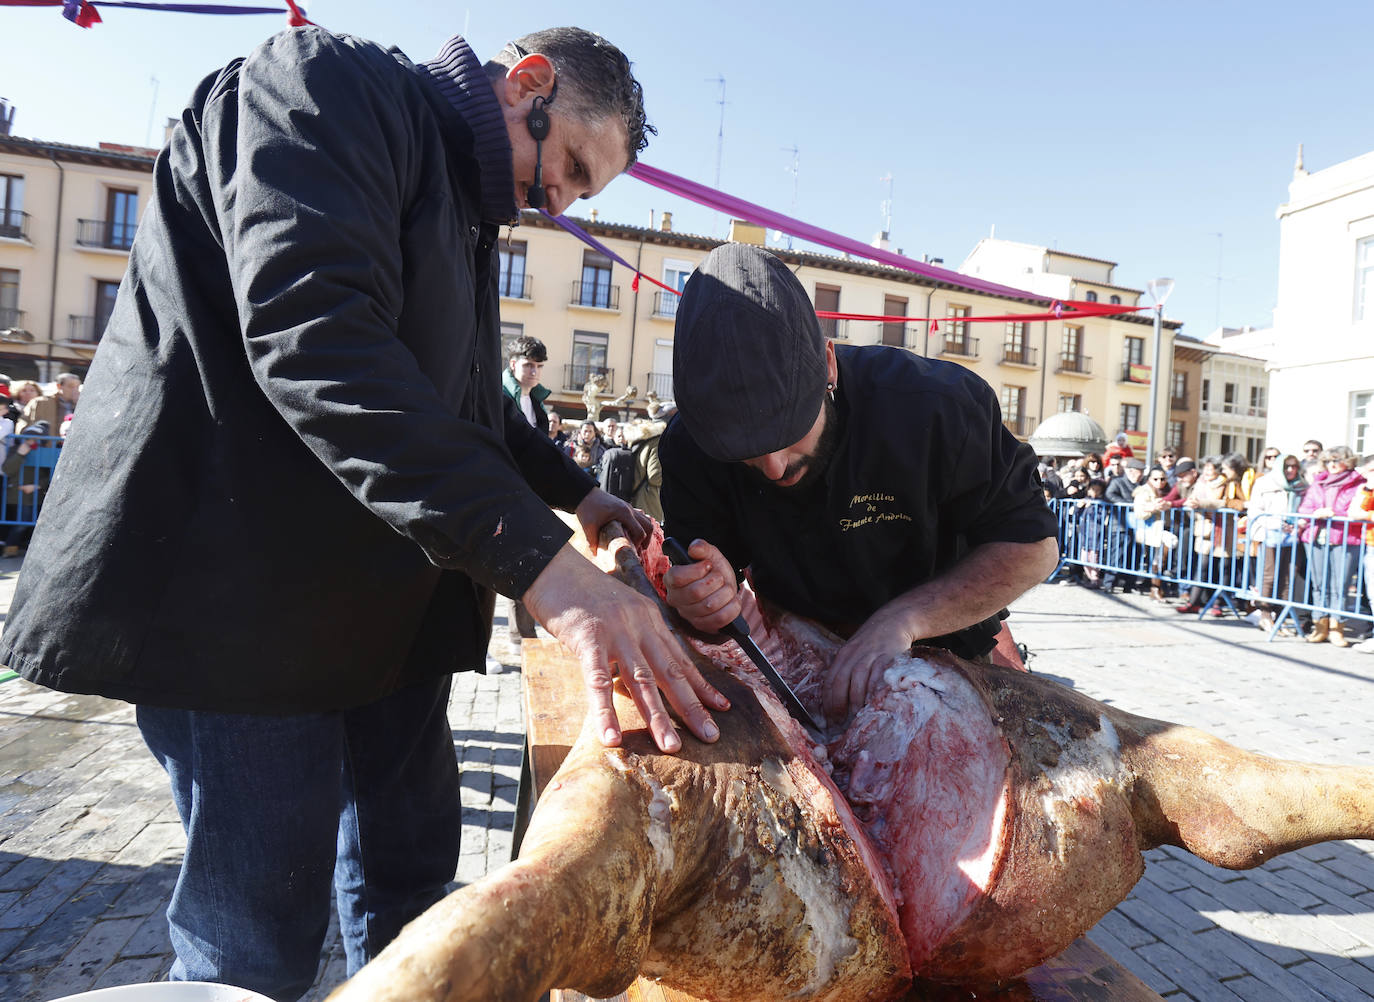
(167, 130)
(667, 225)
(6, 116)
(742, 232)
(880, 240)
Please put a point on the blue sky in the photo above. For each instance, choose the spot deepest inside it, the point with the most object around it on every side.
(1131, 132)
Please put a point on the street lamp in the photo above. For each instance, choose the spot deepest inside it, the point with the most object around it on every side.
(1159, 291)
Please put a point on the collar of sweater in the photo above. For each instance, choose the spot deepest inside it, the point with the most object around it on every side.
(459, 75)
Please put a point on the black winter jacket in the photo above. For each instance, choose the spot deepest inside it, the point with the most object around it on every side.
(295, 481)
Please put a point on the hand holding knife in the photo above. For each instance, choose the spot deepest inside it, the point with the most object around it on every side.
(738, 631)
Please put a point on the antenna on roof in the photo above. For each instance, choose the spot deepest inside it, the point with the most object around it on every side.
(886, 205)
(6, 116)
(152, 109)
(795, 171)
(720, 134)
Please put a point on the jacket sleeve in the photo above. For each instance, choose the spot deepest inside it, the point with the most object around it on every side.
(557, 480)
(315, 167)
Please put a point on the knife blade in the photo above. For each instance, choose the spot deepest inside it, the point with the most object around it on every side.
(738, 631)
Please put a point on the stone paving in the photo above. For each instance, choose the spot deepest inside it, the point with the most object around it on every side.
(90, 842)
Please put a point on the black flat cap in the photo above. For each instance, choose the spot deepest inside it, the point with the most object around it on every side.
(749, 364)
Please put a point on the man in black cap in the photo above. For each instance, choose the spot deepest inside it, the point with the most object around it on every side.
(865, 487)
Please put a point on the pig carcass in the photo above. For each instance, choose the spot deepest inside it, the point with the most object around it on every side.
(967, 824)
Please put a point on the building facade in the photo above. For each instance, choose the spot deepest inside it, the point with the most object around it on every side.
(1322, 367)
(67, 220)
(591, 318)
(1122, 354)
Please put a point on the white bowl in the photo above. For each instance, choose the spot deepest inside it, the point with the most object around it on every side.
(169, 991)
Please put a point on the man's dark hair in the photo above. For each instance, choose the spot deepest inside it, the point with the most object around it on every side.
(594, 79)
(527, 347)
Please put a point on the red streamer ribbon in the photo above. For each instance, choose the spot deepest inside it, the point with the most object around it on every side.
(83, 13)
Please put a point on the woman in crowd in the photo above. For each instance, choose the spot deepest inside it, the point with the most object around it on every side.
(1273, 500)
(1219, 490)
(1077, 486)
(1332, 543)
(1091, 519)
(1150, 513)
(1092, 462)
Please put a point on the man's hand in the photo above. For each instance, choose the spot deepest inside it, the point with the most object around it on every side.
(988, 577)
(599, 507)
(704, 593)
(861, 661)
(614, 630)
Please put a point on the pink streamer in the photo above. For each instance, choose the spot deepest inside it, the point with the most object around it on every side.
(748, 211)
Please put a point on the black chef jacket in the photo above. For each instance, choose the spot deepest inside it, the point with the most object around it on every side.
(923, 472)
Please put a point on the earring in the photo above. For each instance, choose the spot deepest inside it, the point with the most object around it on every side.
(830, 390)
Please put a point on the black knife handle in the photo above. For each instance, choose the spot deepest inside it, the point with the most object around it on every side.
(677, 554)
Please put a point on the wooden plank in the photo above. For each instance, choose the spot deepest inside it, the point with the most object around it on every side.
(555, 705)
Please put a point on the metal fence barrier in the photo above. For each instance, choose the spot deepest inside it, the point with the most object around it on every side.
(1293, 566)
(24, 478)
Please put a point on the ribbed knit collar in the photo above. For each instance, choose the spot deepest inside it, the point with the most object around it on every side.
(459, 75)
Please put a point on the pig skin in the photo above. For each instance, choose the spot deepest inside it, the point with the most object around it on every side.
(737, 871)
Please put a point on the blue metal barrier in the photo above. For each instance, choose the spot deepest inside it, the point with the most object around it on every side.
(1285, 564)
(24, 478)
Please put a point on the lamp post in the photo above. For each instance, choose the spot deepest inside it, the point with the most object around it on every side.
(1159, 291)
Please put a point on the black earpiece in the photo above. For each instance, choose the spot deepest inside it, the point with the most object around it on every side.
(537, 121)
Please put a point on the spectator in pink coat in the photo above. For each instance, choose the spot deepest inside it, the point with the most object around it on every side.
(1333, 544)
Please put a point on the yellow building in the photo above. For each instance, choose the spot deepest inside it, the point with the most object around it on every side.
(583, 308)
(67, 220)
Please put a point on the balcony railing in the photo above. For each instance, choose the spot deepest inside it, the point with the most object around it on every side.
(513, 285)
(661, 383)
(11, 317)
(1069, 362)
(104, 233)
(597, 295)
(575, 377)
(85, 330)
(14, 225)
(665, 304)
(964, 347)
(1018, 356)
(1178, 403)
(1018, 426)
(1135, 372)
(832, 328)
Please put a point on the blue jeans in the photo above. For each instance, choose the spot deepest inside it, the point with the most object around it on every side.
(1331, 569)
(281, 811)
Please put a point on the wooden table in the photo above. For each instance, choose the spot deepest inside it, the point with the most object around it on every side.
(555, 704)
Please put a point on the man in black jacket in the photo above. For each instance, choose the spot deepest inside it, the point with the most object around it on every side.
(869, 488)
(282, 561)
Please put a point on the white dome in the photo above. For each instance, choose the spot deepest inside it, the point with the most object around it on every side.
(1068, 434)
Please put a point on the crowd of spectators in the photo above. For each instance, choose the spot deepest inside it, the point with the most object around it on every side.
(31, 417)
(1292, 531)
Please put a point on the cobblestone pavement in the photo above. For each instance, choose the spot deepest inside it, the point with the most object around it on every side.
(90, 842)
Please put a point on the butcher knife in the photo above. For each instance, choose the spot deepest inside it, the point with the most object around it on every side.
(738, 631)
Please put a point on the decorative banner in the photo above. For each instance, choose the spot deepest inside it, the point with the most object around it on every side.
(1139, 373)
(83, 13)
